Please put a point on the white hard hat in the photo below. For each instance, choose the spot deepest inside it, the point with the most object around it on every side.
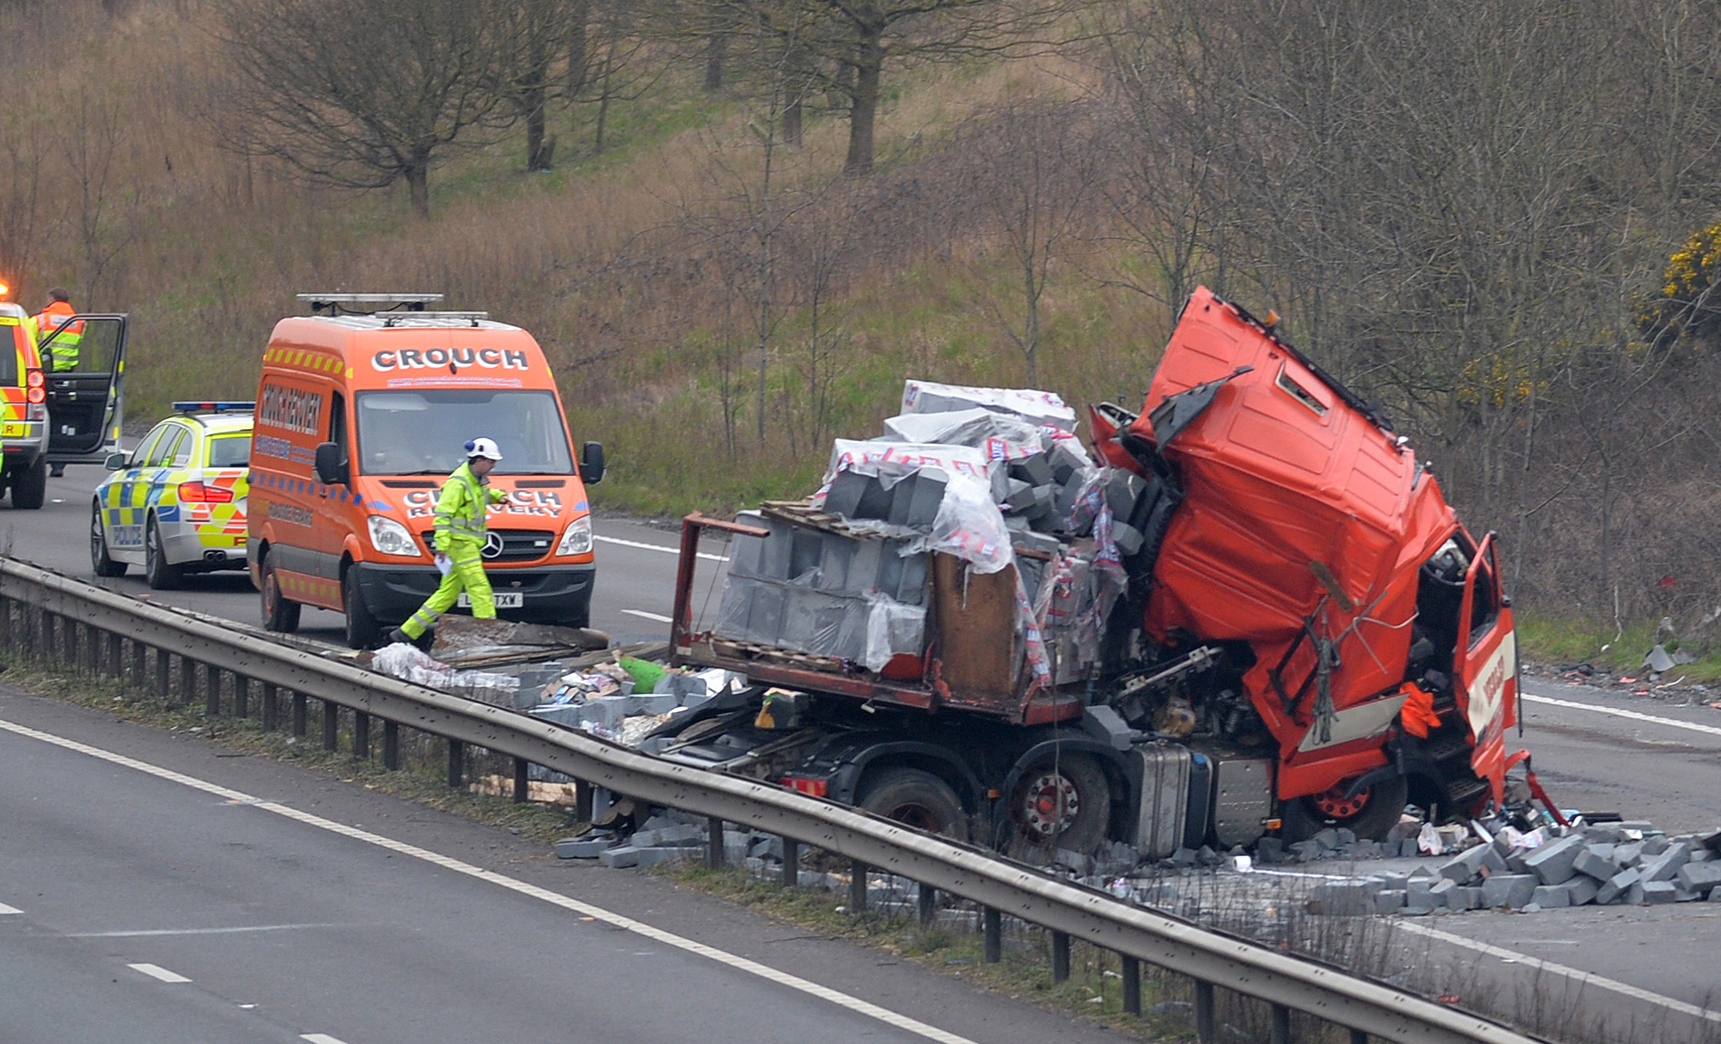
(483, 448)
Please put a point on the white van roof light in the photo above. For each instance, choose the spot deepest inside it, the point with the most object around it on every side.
(366, 304)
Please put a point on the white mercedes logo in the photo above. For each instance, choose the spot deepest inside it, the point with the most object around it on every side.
(492, 545)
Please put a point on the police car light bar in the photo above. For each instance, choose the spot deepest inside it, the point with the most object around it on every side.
(215, 407)
(366, 304)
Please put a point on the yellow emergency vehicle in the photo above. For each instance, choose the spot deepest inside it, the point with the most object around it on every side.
(176, 503)
(23, 409)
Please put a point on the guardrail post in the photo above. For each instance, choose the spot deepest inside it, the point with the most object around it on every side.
(331, 725)
(163, 676)
(301, 704)
(211, 690)
(522, 781)
(582, 801)
(791, 863)
(857, 887)
(361, 734)
(1204, 1012)
(992, 933)
(139, 663)
(241, 696)
(456, 763)
(926, 898)
(714, 844)
(391, 745)
(50, 646)
(1131, 985)
(1281, 1024)
(116, 656)
(1060, 957)
(187, 680)
(271, 707)
(6, 623)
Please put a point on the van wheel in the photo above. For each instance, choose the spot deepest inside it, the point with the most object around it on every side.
(279, 613)
(100, 563)
(916, 798)
(1063, 804)
(1371, 814)
(30, 485)
(363, 629)
(162, 575)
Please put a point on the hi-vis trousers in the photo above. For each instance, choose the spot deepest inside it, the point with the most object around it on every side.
(466, 575)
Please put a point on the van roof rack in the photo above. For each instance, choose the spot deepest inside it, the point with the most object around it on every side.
(366, 304)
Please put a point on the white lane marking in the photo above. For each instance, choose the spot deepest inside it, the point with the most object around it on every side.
(655, 617)
(742, 964)
(658, 547)
(321, 1038)
(1622, 713)
(156, 971)
(1583, 977)
(4, 910)
(194, 931)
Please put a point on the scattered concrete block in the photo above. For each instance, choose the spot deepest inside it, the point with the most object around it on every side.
(1389, 900)
(1596, 861)
(1465, 897)
(1658, 892)
(669, 835)
(658, 854)
(1513, 890)
(1440, 892)
(583, 847)
(1493, 862)
(1618, 885)
(1583, 890)
(1666, 864)
(1550, 896)
(1552, 863)
(1654, 846)
(1345, 898)
(1328, 839)
(1466, 865)
(1419, 892)
(1699, 877)
(619, 857)
(1634, 896)
(1685, 895)
(607, 711)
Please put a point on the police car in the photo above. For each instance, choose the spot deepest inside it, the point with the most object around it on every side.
(176, 503)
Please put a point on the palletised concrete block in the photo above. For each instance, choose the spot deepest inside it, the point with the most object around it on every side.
(1127, 538)
(583, 847)
(1618, 885)
(1513, 890)
(1699, 877)
(1666, 864)
(1034, 470)
(838, 553)
(1657, 892)
(806, 552)
(1596, 861)
(1583, 889)
(1552, 863)
(619, 857)
(1551, 896)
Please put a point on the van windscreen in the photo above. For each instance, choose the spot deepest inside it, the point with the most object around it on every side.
(425, 432)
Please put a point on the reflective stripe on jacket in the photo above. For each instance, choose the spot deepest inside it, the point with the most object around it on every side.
(64, 348)
(463, 507)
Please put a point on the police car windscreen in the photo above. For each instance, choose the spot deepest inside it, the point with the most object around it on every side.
(230, 451)
(424, 432)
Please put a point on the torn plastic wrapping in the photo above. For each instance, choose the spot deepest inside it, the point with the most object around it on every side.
(1041, 407)
(892, 628)
(968, 525)
(409, 663)
(998, 436)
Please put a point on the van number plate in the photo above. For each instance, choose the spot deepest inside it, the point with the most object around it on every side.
(504, 600)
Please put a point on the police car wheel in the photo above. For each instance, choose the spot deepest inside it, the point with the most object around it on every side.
(162, 575)
(99, 560)
(30, 486)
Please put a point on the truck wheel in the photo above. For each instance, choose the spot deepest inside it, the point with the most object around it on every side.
(1063, 804)
(1371, 814)
(30, 486)
(363, 630)
(279, 613)
(916, 798)
(100, 563)
(161, 574)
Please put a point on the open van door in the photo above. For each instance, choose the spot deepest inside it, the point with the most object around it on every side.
(1485, 666)
(86, 404)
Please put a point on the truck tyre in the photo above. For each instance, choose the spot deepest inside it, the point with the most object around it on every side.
(1062, 804)
(363, 629)
(30, 486)
(279, 613)
(916, 798)
(100, 563)
(161, 574)
(1370, 815)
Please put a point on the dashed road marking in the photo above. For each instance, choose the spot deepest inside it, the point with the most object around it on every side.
(4, 910)
(658, 935)
(321, 1038)
(194, 931)
(654, 617)
(156, 971)
(658, 547)
(1620, 712)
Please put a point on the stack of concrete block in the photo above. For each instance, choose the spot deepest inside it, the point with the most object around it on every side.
(820, 592)
(1044, 408)
(1039, 491)
(911, 501)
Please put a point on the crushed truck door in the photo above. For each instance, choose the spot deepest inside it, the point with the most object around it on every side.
(1485, 666)
(86, 405)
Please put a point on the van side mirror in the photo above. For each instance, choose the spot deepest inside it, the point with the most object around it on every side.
(592, 463)
(331, 469)
(115, 461)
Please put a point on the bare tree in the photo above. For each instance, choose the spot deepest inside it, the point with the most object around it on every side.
(542, 49)
(351, 93)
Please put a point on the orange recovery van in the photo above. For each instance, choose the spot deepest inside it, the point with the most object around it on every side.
(363, 410)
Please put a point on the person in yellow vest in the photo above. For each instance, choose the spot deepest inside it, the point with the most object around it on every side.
(461, 514)
(63, 348)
